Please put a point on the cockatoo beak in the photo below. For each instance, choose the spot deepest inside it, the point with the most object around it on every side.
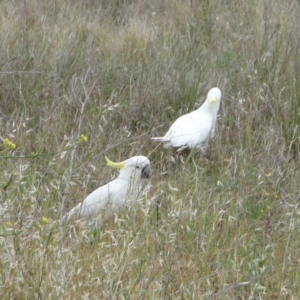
(117, 165)
(212, 100)
(146, 171)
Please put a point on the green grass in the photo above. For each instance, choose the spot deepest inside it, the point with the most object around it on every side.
(224, 226)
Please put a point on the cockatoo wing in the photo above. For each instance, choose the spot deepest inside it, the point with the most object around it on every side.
(92, 204)
(190, 130)
(112, 194)
(175, 129)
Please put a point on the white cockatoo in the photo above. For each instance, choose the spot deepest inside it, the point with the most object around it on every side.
(123, 191)
(194, 129)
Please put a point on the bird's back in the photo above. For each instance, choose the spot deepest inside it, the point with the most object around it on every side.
(190, 130)
(111, 196)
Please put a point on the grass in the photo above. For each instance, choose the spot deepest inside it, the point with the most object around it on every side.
(224, 226)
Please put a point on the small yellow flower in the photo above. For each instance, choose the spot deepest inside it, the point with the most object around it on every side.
(32, 153)
(83, 138)
(8, 224)
(7, 143)
(45, 220)
(269, 207)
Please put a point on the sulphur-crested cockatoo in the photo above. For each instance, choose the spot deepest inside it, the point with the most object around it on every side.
(194, 129)
(123, 191)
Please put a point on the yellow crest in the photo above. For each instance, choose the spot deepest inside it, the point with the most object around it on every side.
(117, 165)
(212, 100)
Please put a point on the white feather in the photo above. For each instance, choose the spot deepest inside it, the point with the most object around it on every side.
(124, 190)
(194, 129)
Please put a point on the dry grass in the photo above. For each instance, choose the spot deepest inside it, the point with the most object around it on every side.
(221, 227)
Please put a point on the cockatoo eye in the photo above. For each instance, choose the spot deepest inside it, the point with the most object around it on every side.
(137, 167)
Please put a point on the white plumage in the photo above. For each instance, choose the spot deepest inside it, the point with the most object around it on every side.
(124, 190)
(194, 129)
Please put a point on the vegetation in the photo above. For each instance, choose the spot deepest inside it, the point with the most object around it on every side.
(84, 79)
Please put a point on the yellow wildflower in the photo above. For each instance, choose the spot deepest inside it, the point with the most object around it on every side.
(45, 220)
(9, 144)
(83, 138)
(8, 224)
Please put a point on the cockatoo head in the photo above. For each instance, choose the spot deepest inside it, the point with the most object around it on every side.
(212, 102)
(137, 167)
